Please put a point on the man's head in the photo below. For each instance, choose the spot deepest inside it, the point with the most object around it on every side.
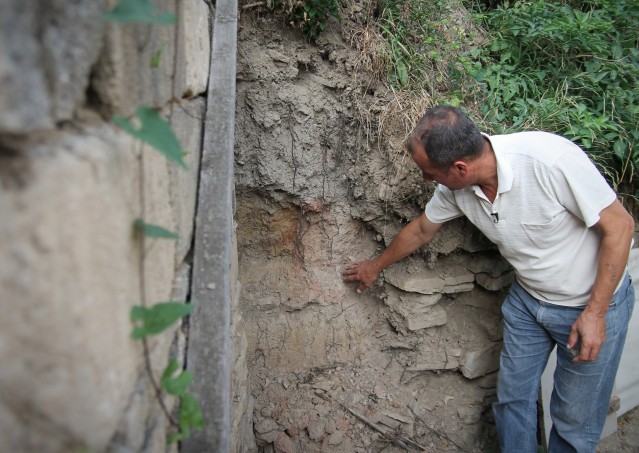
(442, 143)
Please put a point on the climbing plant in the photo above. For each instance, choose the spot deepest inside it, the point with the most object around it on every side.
(150, 128)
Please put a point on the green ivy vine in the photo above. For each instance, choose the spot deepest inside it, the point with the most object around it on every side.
(155, 131)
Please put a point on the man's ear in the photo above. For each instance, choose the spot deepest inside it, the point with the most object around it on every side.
(461, 167)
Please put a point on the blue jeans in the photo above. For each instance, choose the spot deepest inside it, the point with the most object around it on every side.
(579, 402)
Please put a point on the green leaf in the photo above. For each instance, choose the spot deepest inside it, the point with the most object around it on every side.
(174, 438)
(190, 418)
(138, 11)
(157, 56)
(619, 148)
(402, 73)
(157, 318)
(175, 385)
(190, 414)
(154, 231)
(155, 131)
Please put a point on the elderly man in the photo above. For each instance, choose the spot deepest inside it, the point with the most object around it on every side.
(540, 199)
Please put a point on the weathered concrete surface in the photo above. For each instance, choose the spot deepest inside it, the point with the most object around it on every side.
(71, 260)
(187, 121)
(71, 275)
(215, 284)
(119, 89)
(67, 339)
(46, 55)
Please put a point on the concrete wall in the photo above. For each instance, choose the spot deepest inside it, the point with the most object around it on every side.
(71, 186)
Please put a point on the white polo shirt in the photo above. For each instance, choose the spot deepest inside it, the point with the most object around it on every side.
(548, 197)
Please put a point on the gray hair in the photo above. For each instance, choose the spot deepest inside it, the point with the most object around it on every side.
(447, 135)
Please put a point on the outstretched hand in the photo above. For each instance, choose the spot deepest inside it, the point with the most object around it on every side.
(365, 272)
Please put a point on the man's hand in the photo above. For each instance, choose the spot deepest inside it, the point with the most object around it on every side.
(365, 272)
(590, 327)
(417, 233)
(616, 227)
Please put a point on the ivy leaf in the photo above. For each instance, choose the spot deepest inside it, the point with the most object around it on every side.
(157, 318)
(154, 231)
(174, 438)
(157, 56)
(190, 414)
(138, 11)
(190, 418)
(155, 131)
(175, 385)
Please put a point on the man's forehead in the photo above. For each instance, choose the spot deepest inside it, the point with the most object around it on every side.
(415, 145)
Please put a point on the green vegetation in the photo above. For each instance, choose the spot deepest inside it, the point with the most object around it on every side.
(411, 41)
(138, 11)
(155, 131)
(563, 66)
(570, 68)
(312, 16)
(427, 49)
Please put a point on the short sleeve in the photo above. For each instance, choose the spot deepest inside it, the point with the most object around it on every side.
(579, 186)
(442, 206)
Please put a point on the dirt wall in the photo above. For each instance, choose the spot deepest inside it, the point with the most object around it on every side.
(318, 186)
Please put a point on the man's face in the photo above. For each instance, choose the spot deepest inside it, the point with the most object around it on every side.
(453, 178)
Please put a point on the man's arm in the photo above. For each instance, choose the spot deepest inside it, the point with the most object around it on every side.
(417, 233)
(616, 227)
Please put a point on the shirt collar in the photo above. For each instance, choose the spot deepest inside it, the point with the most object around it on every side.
(505, 173)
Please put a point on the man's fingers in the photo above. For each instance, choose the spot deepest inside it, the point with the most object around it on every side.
(587, 354)
(351, 274)
(351, 268)
(572, 338)
(359, 272)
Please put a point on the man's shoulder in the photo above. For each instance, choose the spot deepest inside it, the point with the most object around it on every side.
(541, 146)
(531, 138)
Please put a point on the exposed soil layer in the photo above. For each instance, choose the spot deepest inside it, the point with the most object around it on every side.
(414, 358)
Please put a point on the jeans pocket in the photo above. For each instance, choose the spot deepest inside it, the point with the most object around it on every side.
(630, 304)
(624, 292)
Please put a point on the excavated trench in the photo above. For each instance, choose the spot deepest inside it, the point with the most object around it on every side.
(317, 186)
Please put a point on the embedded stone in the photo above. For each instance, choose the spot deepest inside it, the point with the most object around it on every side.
(418, 283)
(458, 275)
(474, 364)
(283, 443)
(459, 288)
(490, 283)
(336, 438)
(265, 426)
(316, 430)
(494, 265)
(435, 316)
(469, 414)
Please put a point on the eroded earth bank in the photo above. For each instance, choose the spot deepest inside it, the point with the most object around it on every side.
(321, 179)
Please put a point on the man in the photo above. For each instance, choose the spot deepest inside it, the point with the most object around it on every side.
(540, 199)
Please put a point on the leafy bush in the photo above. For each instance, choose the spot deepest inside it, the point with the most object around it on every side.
(570, 68)
(312, 16)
